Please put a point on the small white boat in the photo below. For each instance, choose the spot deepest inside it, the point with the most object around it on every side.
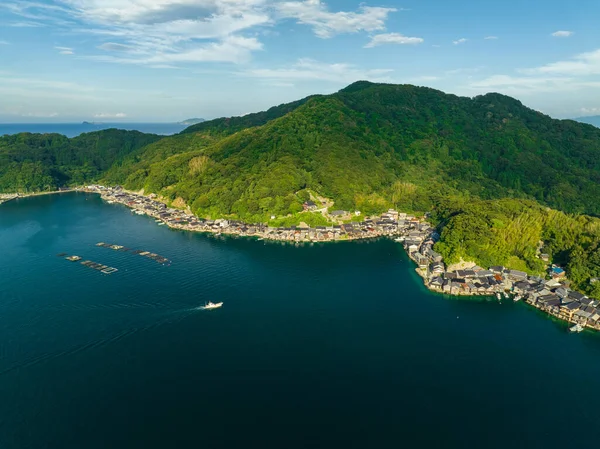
(498, 296)
(517, 298)
(399, 240)
(577, 328)
(211, 305)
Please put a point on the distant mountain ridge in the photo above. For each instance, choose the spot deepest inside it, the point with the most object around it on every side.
(192, 121)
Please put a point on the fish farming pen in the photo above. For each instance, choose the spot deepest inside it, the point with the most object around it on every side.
(157, 258)
(88, 263)
(99, 267)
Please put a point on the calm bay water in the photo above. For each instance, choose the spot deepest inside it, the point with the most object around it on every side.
(332, 346)
(74, 129)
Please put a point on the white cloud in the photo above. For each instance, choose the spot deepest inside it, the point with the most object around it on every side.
(234, 49)
(154, 31)
(4, 42)
(26, 24)
(562, 33)
(518, 83)
(327, 24)
(584, 64)
(65, 50)
(392, 38)
(110, 115)
(38, 114)
(311, 70)
(462, 40)
(590, 111)
(534, 85)
(115, 46)
(491, 38)
(168, 33)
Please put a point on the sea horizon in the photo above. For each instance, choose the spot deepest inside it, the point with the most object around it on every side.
(73, 129)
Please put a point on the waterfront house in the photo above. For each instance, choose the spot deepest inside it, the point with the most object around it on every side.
(412, 247)
(435, 257)
(568, 310)
(521, 287)
(436, 268)
(422, 261)
(447, 287)
(437, 283)
(455, 288)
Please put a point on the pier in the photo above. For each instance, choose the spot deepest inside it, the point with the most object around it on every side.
(148, 254)
(88, 263)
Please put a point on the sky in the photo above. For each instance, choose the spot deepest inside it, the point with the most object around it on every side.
(169, 60)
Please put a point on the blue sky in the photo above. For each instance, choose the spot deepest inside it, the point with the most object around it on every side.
(167, 60)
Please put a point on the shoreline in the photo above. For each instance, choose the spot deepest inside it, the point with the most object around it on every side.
(418, 237)
(6, 197)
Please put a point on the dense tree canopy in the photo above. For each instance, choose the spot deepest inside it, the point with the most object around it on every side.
(42, 162)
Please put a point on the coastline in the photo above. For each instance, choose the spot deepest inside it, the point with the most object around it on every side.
(5, 198)
(418, 237)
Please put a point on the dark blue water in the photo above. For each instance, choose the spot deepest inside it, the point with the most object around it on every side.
(333, 346)
(74, 129)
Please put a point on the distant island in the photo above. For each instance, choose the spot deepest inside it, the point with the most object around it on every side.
(192, 121)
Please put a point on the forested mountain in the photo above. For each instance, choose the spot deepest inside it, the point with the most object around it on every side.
(41, 162)
(371, 146)
(486, 167)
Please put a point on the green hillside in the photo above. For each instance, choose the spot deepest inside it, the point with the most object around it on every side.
(372, 146)
(43, 162)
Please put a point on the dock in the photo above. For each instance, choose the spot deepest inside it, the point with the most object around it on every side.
(88, 263)
(156, 257)
(99, 267)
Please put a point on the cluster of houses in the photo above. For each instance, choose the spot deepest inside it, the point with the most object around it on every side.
(385, 225)
(550, 295)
